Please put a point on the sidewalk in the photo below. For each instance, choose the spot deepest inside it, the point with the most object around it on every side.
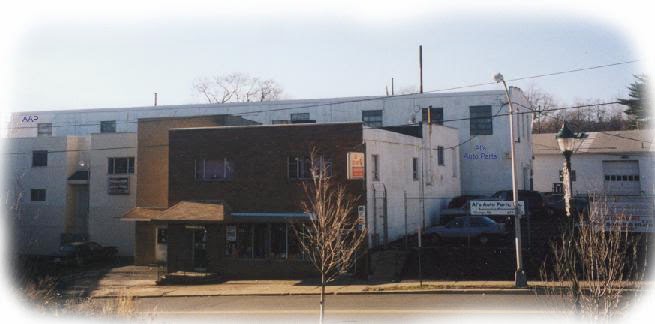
(140, 282)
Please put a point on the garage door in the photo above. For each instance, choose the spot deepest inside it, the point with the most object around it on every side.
(621, 177)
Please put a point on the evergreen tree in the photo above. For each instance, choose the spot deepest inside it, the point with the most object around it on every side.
(637, 103)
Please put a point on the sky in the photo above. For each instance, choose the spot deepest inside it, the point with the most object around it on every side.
(70, 63)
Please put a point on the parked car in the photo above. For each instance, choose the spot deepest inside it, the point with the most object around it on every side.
(556, 207)
(80, 253)
(478, 228)
(463, 200)
(533, 200)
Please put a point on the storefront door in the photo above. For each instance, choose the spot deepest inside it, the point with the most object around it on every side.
(199, 237)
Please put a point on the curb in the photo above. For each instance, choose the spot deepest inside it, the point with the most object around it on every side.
(476, 291)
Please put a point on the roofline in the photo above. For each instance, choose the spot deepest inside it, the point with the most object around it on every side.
(334, 101)
(268, 125)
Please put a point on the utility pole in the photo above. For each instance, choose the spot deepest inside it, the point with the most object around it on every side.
(520, 280)
(155, 98)
(392, 93)
(420, 67)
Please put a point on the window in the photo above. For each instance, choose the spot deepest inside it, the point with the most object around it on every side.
(37, 195)
(480, 120)
(120, 165)
(44, 129)
(415, 169)
(279, 241)
(299, 116)
(214, 170)
(39, 158)
(372, 118)
(376, 167)
(561, 175)
(108, 126)
(436, 115)
(301, 167)
(258, 241)
(162, 236)
(440, 160)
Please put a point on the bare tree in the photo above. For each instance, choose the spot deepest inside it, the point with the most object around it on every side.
(594, 261)
(540, 103)
(331, 240)
(237, 87)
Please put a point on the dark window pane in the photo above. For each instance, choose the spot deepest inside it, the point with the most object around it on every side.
(108, 126)
(440, 159)
(278, 241)
(130, 168)
(120, 165)
(162, 236)
(44, 129)
(110, 166)
(481, 122)
(244, 241)
(37, 194)
(300, 116)
(260, 239)
(436, 115)
(372, 118)
(39, 158)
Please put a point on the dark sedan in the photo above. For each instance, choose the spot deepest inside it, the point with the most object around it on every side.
(80, 253)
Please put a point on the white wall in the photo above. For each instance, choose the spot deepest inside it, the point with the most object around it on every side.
(396, 111)
(40, 224)
(589, 171)
(395, 152)
(105, 226)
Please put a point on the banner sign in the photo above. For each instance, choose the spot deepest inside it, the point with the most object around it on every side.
(495, 207)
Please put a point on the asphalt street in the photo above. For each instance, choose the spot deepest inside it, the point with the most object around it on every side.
(378, 308)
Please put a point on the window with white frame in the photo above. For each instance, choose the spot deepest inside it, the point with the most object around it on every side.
(214, 169)
(120, 165)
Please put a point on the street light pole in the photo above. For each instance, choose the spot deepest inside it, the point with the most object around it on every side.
(566, 139)
(520, 280)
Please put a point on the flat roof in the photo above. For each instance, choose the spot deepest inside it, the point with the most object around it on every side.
(629, 141)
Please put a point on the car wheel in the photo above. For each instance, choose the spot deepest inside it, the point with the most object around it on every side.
(483, 239)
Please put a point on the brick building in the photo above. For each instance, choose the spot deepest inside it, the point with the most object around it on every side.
(234, 191)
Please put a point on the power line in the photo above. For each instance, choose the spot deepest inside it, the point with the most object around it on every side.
(396, 96)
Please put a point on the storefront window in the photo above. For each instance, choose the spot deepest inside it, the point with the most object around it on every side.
(279, 241)
(244, 241)
(260, 240)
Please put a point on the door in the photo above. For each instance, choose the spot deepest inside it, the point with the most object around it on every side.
(162, 244)
(621, 177)
(199, 239)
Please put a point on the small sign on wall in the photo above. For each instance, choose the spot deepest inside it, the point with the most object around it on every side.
(231, 233)
(118, 186)
(355, 166)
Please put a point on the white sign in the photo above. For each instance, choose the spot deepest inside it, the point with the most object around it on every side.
(231, 233)
(361, 213)
(495, 207)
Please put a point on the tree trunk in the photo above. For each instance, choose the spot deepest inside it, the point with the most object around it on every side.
(322, 298)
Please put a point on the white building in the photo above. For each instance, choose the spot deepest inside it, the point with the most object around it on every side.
(615, 163)
(480, 119)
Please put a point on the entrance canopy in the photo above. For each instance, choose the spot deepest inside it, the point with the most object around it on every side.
(183, 211)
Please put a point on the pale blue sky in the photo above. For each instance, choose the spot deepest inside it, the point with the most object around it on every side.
(68, 65)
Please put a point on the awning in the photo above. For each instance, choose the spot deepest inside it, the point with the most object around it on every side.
(182, 211)
(79, 177)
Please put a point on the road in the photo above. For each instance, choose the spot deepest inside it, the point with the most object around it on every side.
(379, 308)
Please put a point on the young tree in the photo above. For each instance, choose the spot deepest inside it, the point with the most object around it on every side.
(237, 87)
(638, 101)
(594, 260)
(334, 235)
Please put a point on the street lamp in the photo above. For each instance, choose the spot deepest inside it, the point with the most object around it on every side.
(520, 279)
(566, 140)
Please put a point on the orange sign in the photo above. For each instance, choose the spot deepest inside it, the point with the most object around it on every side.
(355, 165)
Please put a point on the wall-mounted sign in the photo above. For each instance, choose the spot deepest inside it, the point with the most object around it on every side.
(495, 207)
(361, 214)
(231, 233)
(355, 165)
(118, 186)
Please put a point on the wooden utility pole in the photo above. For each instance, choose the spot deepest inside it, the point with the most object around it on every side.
(155, 98)
(392, 93)
(420, 67)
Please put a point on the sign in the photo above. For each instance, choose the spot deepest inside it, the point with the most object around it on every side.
(355, 165)
(118, 186)
(231, 233)
(495, 207)
(361, 214)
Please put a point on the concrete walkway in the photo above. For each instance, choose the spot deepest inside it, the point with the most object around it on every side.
(140, 282)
